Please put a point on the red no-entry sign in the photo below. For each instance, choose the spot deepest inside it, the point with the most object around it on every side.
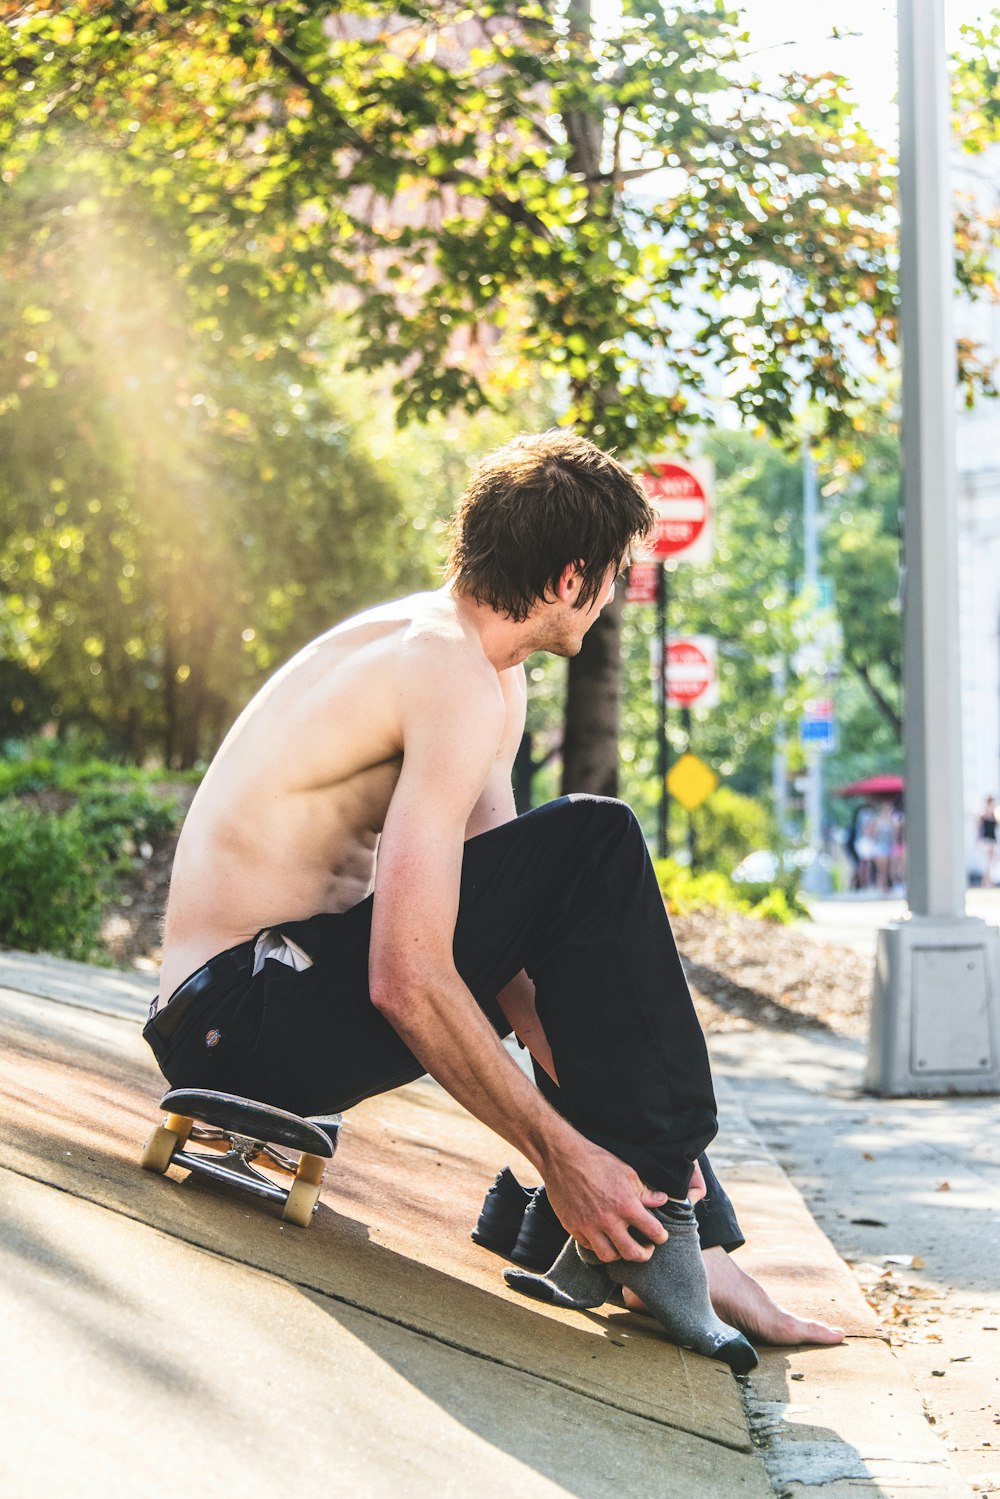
(692, 675)
(681, 495)
(643, 583)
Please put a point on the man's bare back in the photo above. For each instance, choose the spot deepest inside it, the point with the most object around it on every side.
(286, 823)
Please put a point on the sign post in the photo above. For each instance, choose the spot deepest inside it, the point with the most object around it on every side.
(662, 838)
(681, 493)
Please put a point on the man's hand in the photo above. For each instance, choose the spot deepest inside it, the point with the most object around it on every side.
(598, 1199)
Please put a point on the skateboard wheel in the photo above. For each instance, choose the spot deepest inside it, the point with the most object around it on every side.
(300, 1202)
(310, 1169)
(180, 1124)
(158, 1151)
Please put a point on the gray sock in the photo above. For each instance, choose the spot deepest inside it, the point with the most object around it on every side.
(571, 1282)
(673, 1285)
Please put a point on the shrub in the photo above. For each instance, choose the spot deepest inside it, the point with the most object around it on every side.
(685, 892)
(727, 827)
(120, 820)
(777, 905)
(19, 777)
(785, 885)
(54, 884)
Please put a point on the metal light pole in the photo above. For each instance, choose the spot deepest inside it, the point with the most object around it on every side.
(937, 978)
(816, 879)
(663, 753)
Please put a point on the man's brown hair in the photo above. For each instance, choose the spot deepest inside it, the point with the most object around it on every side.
(535, 505)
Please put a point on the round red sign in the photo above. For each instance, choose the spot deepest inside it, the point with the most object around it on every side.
(681, 504)
(689, 672)
(643, 583)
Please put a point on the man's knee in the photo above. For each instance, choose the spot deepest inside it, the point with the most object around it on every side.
(601, 825)
(605, 811)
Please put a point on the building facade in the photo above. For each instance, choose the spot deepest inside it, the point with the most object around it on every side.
(978, 459)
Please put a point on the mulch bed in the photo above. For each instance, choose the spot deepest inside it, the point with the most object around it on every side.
(744, 971)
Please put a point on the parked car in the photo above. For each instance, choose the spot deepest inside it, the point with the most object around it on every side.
(762, 866)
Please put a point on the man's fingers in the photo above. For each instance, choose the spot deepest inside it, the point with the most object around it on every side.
(649, 1227)
(650, 1198)
(628, 1247)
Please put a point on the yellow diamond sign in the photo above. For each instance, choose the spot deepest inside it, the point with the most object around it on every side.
(690, 781)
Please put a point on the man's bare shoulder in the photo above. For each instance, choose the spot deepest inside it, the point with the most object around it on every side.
(442, 669)
(436, 641)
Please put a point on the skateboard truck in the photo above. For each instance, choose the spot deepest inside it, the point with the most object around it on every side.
(240, 1135)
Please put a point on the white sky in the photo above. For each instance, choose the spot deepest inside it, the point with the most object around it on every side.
(786, 36)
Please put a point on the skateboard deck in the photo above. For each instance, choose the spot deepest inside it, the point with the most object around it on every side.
(239, 1137)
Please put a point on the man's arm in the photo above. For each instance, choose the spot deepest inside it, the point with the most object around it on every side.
(452, 714)
(495, 807)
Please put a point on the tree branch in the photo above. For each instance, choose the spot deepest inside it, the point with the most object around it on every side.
(882, 703)
(320, 98)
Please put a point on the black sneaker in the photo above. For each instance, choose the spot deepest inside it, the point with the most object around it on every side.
(503, 1212)
(542, 1236)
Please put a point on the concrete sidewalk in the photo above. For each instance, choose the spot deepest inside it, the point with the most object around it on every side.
(909, 1191)
(854, 919)
(163, 1333)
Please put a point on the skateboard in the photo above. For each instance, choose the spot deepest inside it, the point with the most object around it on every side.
(240, 1136)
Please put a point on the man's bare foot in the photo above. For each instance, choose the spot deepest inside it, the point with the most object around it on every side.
(739, 1300)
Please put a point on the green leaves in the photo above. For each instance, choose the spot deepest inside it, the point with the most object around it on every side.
(474, 197)
(449, 161)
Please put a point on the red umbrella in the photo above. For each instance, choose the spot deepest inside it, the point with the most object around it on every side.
(886, 785)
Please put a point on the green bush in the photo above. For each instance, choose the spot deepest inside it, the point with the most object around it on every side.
(55, 882)
(778, 905)
(117, 805)
(58, 869)
(785, 884)
(19, 777)
(685, 892)
(727, 827)
(119, 820)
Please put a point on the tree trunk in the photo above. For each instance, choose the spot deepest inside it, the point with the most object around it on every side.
(593, 697)
(593, 690)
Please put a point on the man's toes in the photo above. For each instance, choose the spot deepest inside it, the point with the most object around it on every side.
(819, 1332)
(789, 1331)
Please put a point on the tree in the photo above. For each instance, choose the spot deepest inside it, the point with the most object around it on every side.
(633, 212)
(184, 503)
(861, 547)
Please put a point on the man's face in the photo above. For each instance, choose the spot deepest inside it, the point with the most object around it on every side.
(571, 624)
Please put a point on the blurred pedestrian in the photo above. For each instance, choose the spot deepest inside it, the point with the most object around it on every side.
(898, 867)
(987, 839)
(883, 834)
(864, 846)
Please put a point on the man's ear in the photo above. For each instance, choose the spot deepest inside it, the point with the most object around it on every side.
(570, 582)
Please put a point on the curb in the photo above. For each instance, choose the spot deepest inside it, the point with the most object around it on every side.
(844, 1420)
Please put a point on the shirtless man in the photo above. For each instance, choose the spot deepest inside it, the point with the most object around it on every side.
(354, 901)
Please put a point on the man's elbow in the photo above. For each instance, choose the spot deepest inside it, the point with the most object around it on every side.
(396, 990)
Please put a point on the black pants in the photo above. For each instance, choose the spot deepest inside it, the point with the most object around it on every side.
(566, 892)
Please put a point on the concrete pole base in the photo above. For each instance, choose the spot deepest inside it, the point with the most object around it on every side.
(935, 1025)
